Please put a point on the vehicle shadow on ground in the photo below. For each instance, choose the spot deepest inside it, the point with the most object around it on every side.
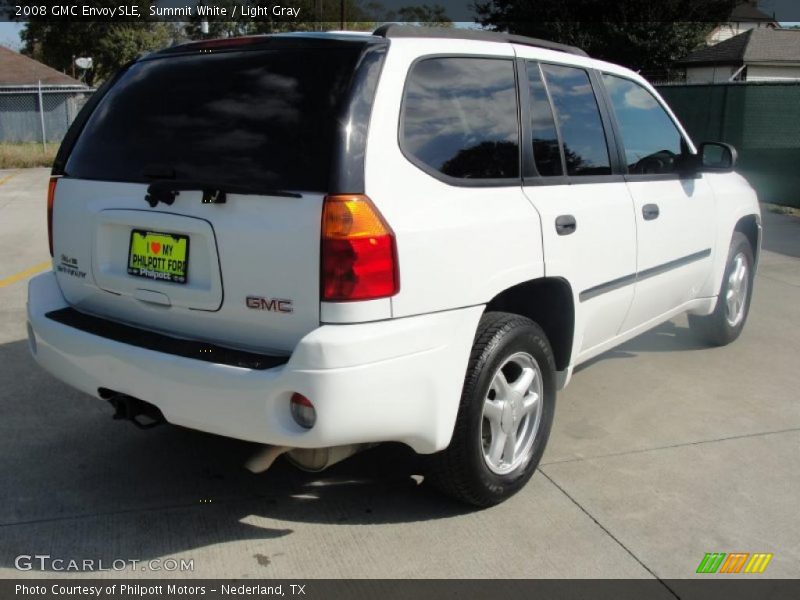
(667, 337)
(67, 467)
(781, 233)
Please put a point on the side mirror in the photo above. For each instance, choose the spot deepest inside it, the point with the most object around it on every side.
(717, 157)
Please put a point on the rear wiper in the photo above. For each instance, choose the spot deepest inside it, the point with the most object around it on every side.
(165, 191)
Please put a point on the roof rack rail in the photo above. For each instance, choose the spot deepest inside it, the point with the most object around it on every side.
(392, 30)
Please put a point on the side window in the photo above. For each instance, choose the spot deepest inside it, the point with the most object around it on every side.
(652, 141)
(460, 117)
(582, 133)
(546, 152)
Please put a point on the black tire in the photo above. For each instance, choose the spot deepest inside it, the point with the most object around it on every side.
(716, 328)
(461, 470)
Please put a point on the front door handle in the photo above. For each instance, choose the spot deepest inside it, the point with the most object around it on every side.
(650, 212)
(566, 224)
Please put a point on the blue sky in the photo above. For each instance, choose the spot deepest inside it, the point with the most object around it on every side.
(9, 34)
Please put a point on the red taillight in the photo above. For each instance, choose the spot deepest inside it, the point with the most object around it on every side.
(51, 196)
(359, 255)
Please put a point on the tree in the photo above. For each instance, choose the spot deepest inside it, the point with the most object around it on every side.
(423, 15)
(217, 26)
(644, 36)
(110, 44)
(315, 15)
(318, 15)
(481, 160)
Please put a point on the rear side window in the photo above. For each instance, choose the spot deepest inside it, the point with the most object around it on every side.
(460, 117)
(582, 133)
(652, 141)
(546, 151)
(265, 119)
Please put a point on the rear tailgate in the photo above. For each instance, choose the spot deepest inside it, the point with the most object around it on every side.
(253, 246)
(254, 124)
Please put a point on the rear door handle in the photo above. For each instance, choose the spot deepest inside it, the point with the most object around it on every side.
(650, 212)
(566, 224)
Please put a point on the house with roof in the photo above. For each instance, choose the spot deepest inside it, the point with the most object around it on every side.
(760, 54)
(744, 17)
(17, 69)
(36, 101)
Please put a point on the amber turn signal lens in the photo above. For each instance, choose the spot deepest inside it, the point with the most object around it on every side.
(51, 197)
(359, 254)
(352, 217)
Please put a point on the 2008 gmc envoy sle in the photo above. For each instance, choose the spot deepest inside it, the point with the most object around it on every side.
(321, 241)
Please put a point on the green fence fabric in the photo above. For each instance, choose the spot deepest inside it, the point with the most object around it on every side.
(762, 120)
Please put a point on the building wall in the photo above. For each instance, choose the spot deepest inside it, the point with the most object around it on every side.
(772, 73)
(716, 74)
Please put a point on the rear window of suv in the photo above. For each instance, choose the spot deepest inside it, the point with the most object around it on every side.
(265, 119)
(460, 118)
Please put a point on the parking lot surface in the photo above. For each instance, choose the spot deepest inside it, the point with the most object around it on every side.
(662, 450)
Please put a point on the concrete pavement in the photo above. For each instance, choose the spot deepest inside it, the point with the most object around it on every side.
(662, 450)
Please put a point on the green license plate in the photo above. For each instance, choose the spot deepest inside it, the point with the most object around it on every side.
(159, 256)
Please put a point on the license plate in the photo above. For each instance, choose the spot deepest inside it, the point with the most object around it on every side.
(159, 256)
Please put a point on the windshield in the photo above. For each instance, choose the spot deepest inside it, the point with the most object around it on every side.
(261, 118)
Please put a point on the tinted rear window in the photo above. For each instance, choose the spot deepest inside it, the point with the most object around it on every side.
(546, 151)
(460, 117)
(258, 118)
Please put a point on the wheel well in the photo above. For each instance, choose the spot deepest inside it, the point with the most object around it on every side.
(749, 227)
(547, 301)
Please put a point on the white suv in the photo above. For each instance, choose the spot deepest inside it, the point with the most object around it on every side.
(324, 241)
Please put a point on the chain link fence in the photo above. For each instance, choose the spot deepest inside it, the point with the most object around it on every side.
(34, 113)
(761, 119)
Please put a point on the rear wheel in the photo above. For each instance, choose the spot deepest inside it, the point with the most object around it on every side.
(505, 415)
(725, 324)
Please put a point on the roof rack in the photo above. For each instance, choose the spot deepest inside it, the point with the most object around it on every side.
(409, 31)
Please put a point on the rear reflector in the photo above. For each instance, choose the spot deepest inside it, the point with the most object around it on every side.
(303, 411)
(359, 254)
(51, 196)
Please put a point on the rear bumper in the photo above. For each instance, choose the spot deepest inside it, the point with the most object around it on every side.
(397, 380)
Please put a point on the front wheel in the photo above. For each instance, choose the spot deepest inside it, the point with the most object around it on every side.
(505, 415)
(725, 324)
